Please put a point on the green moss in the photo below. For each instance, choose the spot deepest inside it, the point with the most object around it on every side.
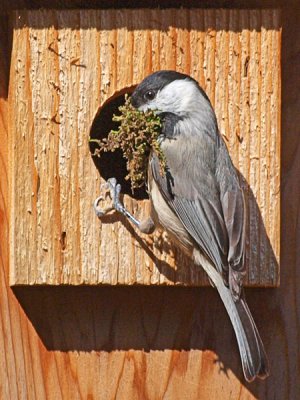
(136, 136)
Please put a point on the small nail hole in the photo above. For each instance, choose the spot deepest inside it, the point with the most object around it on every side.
(63, 240)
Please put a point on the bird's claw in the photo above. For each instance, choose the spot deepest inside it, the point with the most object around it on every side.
(115, 191)
(112, 191)
(101, 211)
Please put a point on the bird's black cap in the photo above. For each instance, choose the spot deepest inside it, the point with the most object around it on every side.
(157, 81)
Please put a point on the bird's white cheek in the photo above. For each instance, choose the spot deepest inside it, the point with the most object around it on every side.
(145, 107)
(148, 106)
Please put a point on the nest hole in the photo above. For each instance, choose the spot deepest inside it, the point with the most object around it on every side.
(112, 164)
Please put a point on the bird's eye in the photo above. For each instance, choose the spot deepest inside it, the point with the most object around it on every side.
(149, 95)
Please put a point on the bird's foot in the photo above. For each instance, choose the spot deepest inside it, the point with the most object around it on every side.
(103, 204)
(113, 190)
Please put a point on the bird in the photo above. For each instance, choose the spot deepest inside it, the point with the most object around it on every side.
(199, 200)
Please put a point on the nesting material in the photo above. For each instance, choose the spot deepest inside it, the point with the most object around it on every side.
(137, 135)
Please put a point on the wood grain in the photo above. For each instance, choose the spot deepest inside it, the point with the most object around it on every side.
(151, 343)
(67, 63)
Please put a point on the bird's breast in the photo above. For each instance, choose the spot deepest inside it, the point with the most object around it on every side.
(164, 216)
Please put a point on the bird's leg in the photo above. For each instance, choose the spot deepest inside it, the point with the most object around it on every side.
(115, 191)
(145, 226)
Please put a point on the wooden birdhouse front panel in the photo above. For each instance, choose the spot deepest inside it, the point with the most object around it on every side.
(65, 65)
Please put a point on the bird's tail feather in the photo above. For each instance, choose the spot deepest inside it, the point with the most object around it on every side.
(252, 352)
(256, 362)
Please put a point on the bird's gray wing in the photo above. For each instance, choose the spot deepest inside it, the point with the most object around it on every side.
(201, 216)
(213, 216)
(234, 212)
(234, 217)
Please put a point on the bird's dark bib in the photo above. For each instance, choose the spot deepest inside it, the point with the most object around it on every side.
(169, 122)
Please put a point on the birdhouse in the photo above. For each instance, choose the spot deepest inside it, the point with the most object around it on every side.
(69, 72)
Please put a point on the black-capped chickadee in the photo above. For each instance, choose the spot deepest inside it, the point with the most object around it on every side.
(199, 201)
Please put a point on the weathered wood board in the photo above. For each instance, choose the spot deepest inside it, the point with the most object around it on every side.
(65, 64)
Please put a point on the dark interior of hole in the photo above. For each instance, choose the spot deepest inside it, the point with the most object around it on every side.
(112, 164)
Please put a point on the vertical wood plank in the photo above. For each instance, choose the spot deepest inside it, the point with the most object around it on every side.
(234, 90)
(68, 44)
(183, 49)
(269, 127)
(167, 53)
(275, 146)
(46, 192)
(107, 53)
(197, 37)
(209, 53)
(264, 167)
(254, 145)
(18, 38)
(221, 71)
(88, 66)
(244, 122)
(108, 85)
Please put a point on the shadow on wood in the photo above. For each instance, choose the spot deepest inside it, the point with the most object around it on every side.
(109, 319)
